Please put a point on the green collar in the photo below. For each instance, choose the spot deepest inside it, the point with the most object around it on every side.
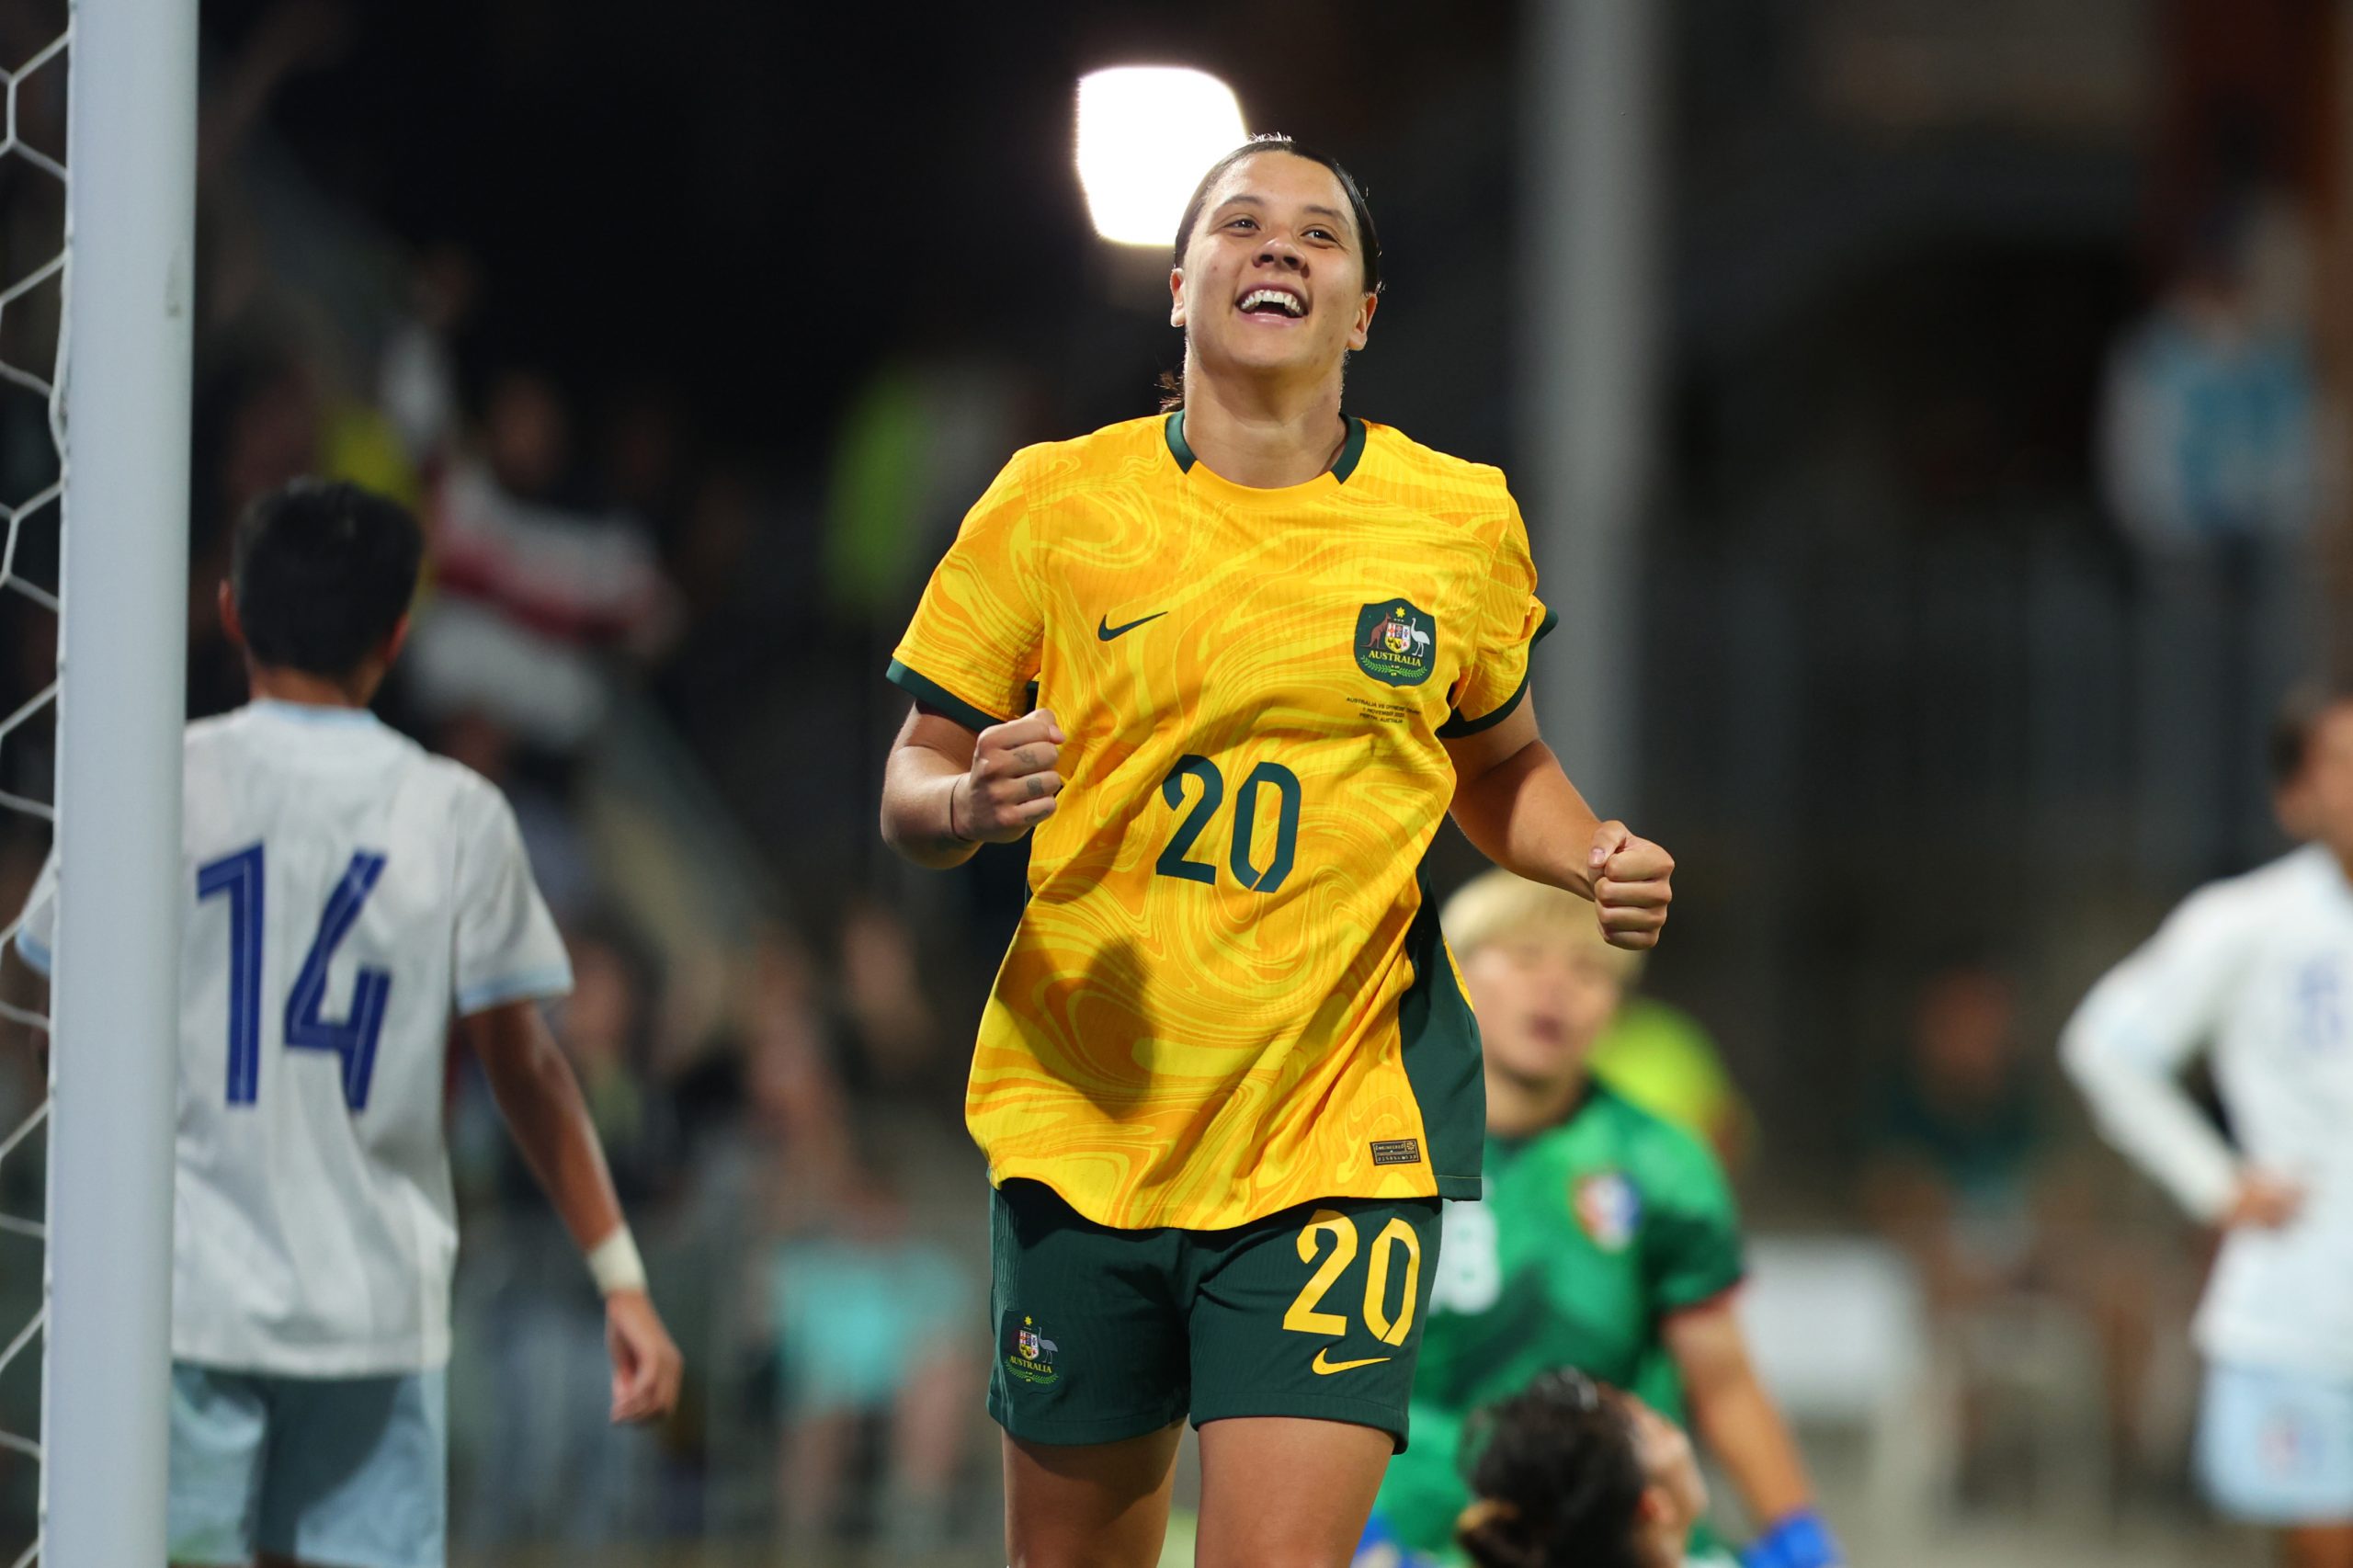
(1351, 450)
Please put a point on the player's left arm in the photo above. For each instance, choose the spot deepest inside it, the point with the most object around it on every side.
(540, 1100)
(1738, 1422)
(1515, 803)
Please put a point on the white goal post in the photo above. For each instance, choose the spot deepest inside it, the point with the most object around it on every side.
(124, 369)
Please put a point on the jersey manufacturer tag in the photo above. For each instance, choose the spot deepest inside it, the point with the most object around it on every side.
(1397, 1152)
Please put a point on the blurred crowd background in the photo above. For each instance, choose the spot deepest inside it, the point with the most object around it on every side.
(1997, 419)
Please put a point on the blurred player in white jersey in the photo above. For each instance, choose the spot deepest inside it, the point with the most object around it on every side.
(347, 894)
(2258, 970)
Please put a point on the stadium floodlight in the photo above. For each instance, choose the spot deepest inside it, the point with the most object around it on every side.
(1145, 135)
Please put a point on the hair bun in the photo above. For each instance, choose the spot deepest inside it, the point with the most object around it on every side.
(1495, 1535)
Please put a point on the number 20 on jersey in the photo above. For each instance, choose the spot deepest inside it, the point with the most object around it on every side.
(1241, 859)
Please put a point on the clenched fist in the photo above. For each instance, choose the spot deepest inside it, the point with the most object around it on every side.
(1011, 786)
(647, 1368)
(1629, 886)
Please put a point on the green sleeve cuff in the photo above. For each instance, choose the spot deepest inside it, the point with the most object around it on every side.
(1692, 1296)
(931, 694)
(1457, 727)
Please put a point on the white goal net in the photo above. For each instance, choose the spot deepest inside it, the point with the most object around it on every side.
(96, 269)
(33, 67)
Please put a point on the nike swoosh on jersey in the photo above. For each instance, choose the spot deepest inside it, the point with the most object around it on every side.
(1105, 631)
(1325, 1368)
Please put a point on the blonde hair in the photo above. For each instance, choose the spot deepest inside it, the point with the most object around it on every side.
(1496, 905)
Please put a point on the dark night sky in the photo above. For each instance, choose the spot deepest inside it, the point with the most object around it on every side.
(722, 198)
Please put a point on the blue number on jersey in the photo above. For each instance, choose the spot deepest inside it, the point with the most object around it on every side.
(354, 1038)
(2319, 1003)
(239, 876)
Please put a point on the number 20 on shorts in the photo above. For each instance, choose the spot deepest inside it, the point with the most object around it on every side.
(1305, 1315)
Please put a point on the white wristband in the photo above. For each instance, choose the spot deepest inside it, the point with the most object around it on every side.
(614, 1263)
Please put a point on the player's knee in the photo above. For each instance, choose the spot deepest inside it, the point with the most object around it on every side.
(1057, 1549)
(1278, 1554)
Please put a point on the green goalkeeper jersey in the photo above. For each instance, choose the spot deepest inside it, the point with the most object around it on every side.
(1589, 1235)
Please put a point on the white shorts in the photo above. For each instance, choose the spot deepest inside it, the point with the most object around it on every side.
(2275, 1447)
(348, 1471)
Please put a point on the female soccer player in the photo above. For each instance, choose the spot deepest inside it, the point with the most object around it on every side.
(1606, 1240)
(1227, 1072)
(1572, 1473)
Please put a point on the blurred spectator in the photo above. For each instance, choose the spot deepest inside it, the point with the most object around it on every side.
(531, 586)
(799, 1120)
(2210, 424)
(917, 448)
(1959, 1141)
(892, 1038)
(770, 1125)
(2211, 462)
(416, 375)
(1664, 1060)
(874, 1346)
(2031, 1304)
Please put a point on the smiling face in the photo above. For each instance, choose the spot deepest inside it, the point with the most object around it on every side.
(1273, 281)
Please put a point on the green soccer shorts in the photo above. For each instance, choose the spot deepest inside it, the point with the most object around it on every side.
(1103, 1335)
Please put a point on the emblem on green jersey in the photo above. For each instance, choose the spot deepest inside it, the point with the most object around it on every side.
(1608, 1208)
(1396, 643)
(1032, 1358)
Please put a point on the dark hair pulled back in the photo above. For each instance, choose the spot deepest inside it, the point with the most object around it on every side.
(1558, 1477)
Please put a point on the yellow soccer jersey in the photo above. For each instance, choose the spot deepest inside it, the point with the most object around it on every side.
(1228, 992)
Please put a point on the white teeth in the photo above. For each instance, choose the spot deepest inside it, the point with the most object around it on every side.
(1288, 303)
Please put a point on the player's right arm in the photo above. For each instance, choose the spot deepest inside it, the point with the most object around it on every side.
(2138, 1028)
(962, 773)
(510, 958)
(540, 1098)
(1738, 1421)
(1692, 1247)
(947, 790)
